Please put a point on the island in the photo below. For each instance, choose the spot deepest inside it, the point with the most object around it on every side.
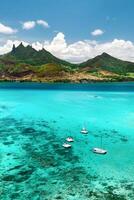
(24, 63)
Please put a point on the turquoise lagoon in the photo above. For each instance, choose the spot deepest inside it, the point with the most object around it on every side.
(35, 119)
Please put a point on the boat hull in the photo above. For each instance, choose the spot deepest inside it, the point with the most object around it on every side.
(69, 139)
(65, 145)
(99, 151)
(84, 132)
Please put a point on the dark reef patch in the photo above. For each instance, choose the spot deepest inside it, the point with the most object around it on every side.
(8, 142)
(16, 167)
(124, 139)
(28, 130)
(8, 178)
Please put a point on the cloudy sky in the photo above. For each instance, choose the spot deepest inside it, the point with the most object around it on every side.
(74, 30)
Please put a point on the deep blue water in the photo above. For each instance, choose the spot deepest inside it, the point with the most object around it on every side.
(35, 120)
(123, 86)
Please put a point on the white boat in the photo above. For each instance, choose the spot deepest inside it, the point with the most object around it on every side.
(99, 151)
(66, 145)
(84, 131)
(69, 139)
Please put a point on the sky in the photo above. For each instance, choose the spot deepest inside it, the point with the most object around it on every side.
(74, 30)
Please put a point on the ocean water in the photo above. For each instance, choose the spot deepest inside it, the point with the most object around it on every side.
(35, 120)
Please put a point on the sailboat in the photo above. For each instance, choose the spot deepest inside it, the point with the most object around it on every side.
(99, 150)
(84, 130)
(66, 145)
(69, 139)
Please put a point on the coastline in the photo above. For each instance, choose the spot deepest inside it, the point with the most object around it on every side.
(62, 80)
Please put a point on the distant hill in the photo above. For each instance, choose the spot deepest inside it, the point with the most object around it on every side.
(109, 63)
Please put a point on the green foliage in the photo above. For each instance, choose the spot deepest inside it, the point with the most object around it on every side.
(50, 70)
(130, 75)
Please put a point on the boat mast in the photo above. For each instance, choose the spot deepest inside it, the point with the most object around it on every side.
(101, 141)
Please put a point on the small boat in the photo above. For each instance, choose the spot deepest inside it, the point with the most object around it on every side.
(69, 139)
(84, 131)
(66, 145)
(99, 151)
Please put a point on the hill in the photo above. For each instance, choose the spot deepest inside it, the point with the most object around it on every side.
(30, 56)
(108, 63)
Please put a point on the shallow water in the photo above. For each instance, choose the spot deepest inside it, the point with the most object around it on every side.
(35, 119)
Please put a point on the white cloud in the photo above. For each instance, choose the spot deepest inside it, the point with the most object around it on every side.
(97, 32)
(6, 29)
(43, 23)
(37, 45)
(57, 45)
(83, 50)
(79, 51)
(31, 24)
(28, 25)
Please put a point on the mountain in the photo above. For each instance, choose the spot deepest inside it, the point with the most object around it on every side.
(30, 56)
(26, 62)
(108, 63)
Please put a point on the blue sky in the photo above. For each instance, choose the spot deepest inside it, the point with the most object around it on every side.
(76, 19)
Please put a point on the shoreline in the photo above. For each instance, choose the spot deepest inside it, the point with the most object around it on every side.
(64, 81)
